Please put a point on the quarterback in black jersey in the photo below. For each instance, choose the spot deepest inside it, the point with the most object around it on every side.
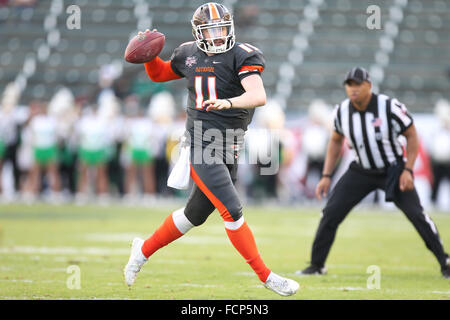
(214, 78)
(225, 85)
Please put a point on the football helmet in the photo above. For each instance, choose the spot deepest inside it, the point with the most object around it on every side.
(213, 28)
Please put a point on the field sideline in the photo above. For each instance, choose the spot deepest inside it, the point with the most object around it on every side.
(39, 244)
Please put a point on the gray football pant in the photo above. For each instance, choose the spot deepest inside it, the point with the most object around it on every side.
(213, 188)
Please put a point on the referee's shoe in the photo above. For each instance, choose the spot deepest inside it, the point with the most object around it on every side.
(312, 270)
(446, 269)
(315, 270)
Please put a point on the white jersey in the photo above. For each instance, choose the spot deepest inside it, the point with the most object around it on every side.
(8, 128)
(140, 134)
(93, 133)
(44, 131)
(3, 128)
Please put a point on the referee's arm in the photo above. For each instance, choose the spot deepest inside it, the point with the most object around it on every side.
(333, 153)
(412, 149)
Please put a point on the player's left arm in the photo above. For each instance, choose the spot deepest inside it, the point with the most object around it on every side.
(254, 96)
(404, 125)
(412, 149)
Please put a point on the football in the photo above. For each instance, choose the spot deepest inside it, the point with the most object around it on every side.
(144, 47)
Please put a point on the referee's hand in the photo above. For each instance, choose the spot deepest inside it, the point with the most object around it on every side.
(406, 181)
(322, 187)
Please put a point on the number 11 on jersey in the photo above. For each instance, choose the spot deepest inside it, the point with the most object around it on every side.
(211, 84)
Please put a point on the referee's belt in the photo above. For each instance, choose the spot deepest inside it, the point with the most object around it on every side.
(372, 172)
(377, 172)
(392, 174)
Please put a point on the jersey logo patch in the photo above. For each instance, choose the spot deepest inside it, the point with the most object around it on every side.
(190, 61)
(204, 69)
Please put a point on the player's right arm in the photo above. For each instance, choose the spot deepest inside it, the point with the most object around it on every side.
(333, 153)
(159, 70)
(254, 96)
(249, 64)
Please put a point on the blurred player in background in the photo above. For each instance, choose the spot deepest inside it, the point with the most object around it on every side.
(225, 85)
(161, 111)
(265, 144)
(440, 149)
(94, 148)
(63, 108)
(314, 143)
(44, 141)
(10, 122)
(2, 146)
(139, 149)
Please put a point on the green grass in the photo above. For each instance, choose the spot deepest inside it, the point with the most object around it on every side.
(38, 243)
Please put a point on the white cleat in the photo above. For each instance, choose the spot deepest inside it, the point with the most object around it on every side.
(136, 261)
(280, 285)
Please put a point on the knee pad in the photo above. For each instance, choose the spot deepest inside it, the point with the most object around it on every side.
(181, 221)
(234, 225)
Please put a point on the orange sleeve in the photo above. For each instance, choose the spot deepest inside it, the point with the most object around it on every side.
(160, 71)
(252, 68)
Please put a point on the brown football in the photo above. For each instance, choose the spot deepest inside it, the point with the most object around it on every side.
(144, 47)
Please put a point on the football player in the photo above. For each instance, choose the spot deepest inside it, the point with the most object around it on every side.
(225, 85)
(44, 139)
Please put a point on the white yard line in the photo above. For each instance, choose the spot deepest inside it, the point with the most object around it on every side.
(392, 267)
(65, 250)
(31, 281)
(17, 280)
(193, 285)
(112, 237)
(441, 292)
(50, 297)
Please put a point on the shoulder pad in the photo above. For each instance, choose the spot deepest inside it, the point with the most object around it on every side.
(186, 43)
(246, 47)
(248, 55)
(184, 49)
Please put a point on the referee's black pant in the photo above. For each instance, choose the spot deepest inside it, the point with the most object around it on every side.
(352, 187)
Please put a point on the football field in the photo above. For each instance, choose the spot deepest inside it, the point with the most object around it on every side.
(78, 252)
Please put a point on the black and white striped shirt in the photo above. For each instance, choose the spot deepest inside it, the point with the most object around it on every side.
(373, 134)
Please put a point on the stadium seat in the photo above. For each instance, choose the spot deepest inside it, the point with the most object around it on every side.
(321, 55)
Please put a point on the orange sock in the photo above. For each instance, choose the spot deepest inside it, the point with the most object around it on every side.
(164, 235)
(243, 240)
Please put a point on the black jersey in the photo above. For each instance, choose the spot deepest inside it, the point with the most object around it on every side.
(216, 77)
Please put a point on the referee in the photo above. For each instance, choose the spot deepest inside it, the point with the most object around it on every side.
(371, 124)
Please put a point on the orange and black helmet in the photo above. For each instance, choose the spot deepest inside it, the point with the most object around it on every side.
(213, 28)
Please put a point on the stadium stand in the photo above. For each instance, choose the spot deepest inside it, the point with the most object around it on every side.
(311, 42)
(308, 45)
(418, 71)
